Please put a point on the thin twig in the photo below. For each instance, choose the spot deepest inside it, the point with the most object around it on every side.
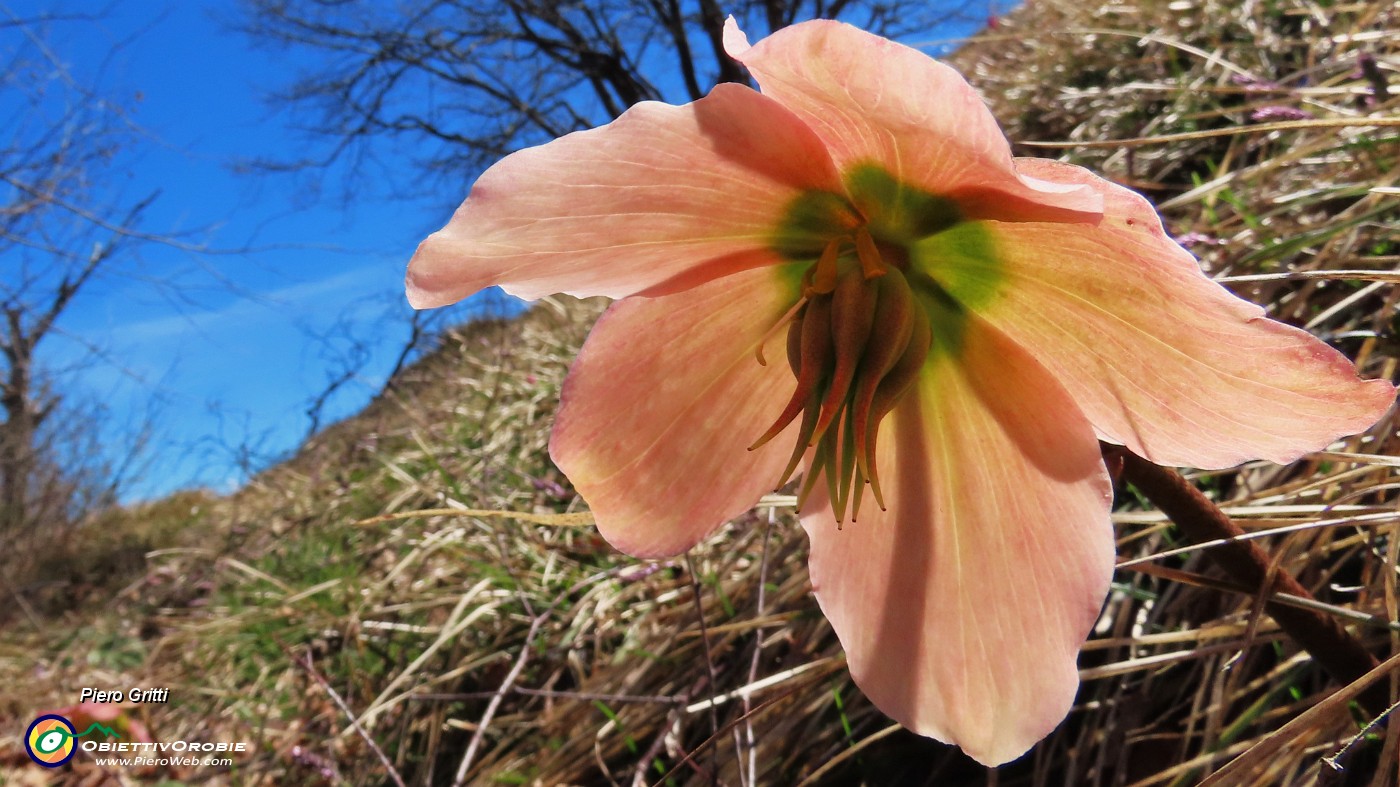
(496, 699)
(1369, 620)
(1335, 761)
(715, 700)
(709, 663)
(764, 707)
(1309, 720)
(759, 606)
(305, 663)
(639, 773)
(830, 765)
(508, 684)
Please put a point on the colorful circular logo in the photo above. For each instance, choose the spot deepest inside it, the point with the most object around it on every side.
(49, 740)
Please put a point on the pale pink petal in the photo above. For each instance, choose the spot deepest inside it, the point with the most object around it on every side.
(873, 101)
(1160, 358)
(661, 193)
(963, 607)
(664, 399)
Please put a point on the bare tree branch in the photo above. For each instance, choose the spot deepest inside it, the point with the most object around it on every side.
(467, 81)
(61, 227)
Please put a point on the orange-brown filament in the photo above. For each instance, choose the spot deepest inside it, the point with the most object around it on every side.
(788, 316)
(811, 339)
(823, 276)
(856, 342)
(869, 254)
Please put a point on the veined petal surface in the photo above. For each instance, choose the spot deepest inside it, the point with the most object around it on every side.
(873, 101)
(659, 199)
(1159, 357)
(963, 606)
(659, 409)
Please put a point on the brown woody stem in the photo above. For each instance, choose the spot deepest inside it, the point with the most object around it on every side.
(1200, 520)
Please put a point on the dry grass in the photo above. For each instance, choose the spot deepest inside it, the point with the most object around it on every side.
(513, 652)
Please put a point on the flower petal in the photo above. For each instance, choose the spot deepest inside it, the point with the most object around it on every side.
(1159, 357)
(662, 192)
(659, 409)
(963, 607)
(872, 100)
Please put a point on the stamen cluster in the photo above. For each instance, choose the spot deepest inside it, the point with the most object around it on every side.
(855, 343)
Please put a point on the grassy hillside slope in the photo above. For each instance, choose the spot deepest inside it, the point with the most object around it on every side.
(331, 607)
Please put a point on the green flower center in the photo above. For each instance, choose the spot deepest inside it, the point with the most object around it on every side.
(864, 322)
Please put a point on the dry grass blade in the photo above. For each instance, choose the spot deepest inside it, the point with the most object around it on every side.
(389, 769)
(816, 776)
(1308, 721)
(1191, 136)
(577, 519)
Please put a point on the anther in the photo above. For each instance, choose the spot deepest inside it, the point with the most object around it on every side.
(823, 278)
(871, 263)
(893, 388)
(856, 342)
(896, 314)
(853, 309)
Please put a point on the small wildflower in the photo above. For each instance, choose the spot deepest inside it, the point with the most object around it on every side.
(1254, 84)
(1270, 114)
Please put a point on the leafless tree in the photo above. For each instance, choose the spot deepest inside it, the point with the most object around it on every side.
(62, 225)
(460, 83)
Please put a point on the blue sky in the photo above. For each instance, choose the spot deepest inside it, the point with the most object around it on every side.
(224, 348)
(230, 347)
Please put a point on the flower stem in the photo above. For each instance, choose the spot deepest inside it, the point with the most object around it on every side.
(1200, 520)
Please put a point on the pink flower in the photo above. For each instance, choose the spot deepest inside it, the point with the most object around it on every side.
(962, 327)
